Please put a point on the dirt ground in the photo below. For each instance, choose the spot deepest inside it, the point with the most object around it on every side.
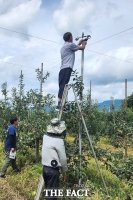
(7, 192)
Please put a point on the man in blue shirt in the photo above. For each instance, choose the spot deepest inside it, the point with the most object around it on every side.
(10, 146)
(67, 62)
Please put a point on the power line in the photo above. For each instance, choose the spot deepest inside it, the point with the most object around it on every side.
(110, 56)
(110, 36)
(30, 35)
(16, 64)
(26, 66)
(61, 43)
(54, 62)
(5, 74)
(31, 72)
(59, 60)
(45, 67)
(12, 81)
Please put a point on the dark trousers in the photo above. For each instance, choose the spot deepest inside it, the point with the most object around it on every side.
(7, 162)
(64, 77)
(51, 179)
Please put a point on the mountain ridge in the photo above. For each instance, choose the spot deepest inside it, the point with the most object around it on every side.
(117, 103)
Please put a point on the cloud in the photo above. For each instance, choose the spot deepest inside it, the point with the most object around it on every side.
(6, 59)
(110, 8)
(104, 18)
(74, 15)
(18, 16)
(51, 88)
(105, 70)
(5, 6)
(115, 90)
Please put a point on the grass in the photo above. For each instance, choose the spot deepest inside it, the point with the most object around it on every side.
(117, 189)
(24, 185)
(103, 143)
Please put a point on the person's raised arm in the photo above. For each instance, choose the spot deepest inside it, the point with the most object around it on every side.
(83, 44)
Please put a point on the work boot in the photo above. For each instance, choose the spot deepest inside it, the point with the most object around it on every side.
(57, 108)
(17, 170)
(65, 109)
(3, 176)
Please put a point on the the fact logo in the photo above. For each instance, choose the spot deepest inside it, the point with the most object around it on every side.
(78, 192)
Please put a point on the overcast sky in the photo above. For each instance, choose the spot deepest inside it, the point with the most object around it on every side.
(50, 19)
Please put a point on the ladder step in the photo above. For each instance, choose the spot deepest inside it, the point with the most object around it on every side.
(66, 88)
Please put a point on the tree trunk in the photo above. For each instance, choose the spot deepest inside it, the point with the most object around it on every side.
(37, 151)
(125, 148)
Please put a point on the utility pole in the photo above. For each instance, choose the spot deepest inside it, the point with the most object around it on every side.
(126, 93)
(5, 93)
(80, 123)
(20, 85)
(41, 82)
(90, 94)
(20, 93)
(125, 138)
(81, 98)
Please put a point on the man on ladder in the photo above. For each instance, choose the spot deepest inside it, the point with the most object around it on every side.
(54, 156)
(67, 63)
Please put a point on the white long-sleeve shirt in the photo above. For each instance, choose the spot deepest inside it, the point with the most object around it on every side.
(54, 149)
